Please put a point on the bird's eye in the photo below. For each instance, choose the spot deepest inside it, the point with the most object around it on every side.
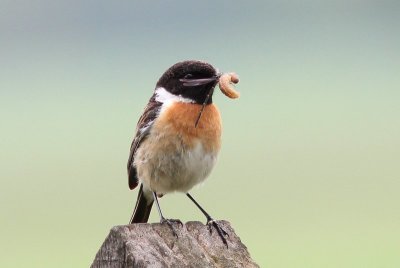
(188, 76)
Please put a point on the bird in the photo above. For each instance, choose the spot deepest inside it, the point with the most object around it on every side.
(177, 140)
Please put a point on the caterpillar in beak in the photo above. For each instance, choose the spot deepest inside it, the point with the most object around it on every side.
(225, 85)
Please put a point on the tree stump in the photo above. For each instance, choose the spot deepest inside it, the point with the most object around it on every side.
(154, 245)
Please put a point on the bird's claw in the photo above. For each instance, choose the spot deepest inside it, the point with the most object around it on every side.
(170, 223)
(221, 232)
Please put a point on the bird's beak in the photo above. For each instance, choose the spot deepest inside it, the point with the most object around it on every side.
(197, 82)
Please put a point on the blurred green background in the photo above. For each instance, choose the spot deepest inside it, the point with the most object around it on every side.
(309, 172)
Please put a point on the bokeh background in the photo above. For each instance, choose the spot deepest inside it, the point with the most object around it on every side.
(309, 172)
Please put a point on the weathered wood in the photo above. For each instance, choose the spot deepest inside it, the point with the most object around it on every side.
(154, 245)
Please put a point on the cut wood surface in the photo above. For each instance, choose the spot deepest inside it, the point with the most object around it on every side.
(154, 245)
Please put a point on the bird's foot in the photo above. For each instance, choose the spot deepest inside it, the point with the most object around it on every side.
(170, 223)
(221, 232)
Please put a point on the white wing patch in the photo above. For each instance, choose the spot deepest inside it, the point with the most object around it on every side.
(145, 128)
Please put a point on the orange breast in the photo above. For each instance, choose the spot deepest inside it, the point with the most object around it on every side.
(180, 118)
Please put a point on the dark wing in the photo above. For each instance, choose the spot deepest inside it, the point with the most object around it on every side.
(142, 130)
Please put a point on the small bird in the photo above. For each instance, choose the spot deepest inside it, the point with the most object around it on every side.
(177, 141)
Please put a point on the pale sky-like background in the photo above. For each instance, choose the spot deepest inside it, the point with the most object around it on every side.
(309, 172)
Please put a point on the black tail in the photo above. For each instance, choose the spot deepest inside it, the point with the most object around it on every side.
(142, 208)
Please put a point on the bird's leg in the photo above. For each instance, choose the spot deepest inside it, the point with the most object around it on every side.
(169, 222)
(211, 222)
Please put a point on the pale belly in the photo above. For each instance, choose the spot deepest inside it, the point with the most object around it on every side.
(164, 165)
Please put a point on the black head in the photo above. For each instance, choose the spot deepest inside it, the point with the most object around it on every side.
(191, 79)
